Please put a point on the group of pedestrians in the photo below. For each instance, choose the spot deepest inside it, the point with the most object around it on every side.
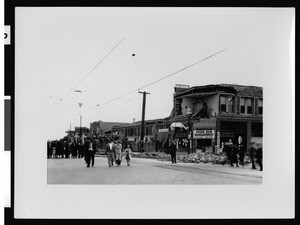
(236, 154)
(87, 150)
(115, 151)
(67, 149)
(64, 149)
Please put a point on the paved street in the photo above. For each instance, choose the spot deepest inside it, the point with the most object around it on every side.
(147, 171)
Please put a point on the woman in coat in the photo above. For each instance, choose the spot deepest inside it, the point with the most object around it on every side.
(118, 149)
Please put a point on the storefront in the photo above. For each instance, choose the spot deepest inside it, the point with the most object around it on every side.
(204, 135)
(181, 138)
(235, 131)
(204, 140)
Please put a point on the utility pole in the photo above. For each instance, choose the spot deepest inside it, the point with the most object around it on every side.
(190, 136)
(80, 131)
(143, 120)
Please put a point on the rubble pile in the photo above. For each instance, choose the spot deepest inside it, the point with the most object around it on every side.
(202, 157)
(146, 155)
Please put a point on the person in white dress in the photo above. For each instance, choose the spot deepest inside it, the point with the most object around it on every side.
(118, 149)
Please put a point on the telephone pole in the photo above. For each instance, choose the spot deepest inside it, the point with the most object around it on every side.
(143, 120)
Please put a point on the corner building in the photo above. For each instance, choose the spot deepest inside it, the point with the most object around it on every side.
(220, 113)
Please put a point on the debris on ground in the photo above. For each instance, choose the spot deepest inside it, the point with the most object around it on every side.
(201, 157)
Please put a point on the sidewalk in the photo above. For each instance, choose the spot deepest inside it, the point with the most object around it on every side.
(245, 170)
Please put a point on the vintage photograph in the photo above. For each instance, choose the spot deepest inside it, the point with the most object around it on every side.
(143, 97)
(168, 92)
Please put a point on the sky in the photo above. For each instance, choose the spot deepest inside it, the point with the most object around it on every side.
(57, 50)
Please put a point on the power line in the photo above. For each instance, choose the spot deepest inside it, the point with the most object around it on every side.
(165, 77)
(184, 68)
(90, 71)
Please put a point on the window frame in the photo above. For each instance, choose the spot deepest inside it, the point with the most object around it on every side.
(223, 104)
(260, 108)
(229, 108)
(244, 106)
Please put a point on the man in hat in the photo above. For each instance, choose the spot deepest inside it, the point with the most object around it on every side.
(173, 150)
(91, 152)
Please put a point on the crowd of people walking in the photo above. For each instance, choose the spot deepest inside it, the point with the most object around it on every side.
(116, 151)
(87, 149)
(63, 149)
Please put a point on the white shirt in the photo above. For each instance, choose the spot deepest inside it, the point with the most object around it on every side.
(91, 147)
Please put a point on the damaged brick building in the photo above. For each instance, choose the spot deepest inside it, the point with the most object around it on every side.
(204, 118)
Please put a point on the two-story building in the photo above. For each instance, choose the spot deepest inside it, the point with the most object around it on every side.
(219, 113)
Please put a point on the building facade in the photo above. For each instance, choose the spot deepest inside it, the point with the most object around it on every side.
(203, 118)
(220, 113)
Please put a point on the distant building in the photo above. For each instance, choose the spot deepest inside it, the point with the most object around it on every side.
(78, 133)
(131, 134)
(99, 128)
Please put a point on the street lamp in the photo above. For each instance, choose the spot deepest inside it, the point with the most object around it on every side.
(190, 136)
(80, 131)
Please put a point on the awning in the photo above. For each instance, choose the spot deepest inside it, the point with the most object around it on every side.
(177, 124)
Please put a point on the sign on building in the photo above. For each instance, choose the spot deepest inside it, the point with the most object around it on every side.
(204, 134)
(163, 130)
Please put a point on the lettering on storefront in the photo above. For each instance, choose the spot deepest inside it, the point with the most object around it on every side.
(204, 134)
(163, 130)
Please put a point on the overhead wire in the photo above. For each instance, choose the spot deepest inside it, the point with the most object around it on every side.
(165, 77)
(81, 80)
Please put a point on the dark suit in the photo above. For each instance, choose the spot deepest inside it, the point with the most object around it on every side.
(259, 157)
(234, 158)
(85, 150)
(173, 150)
(252, 152)
(74, 150)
